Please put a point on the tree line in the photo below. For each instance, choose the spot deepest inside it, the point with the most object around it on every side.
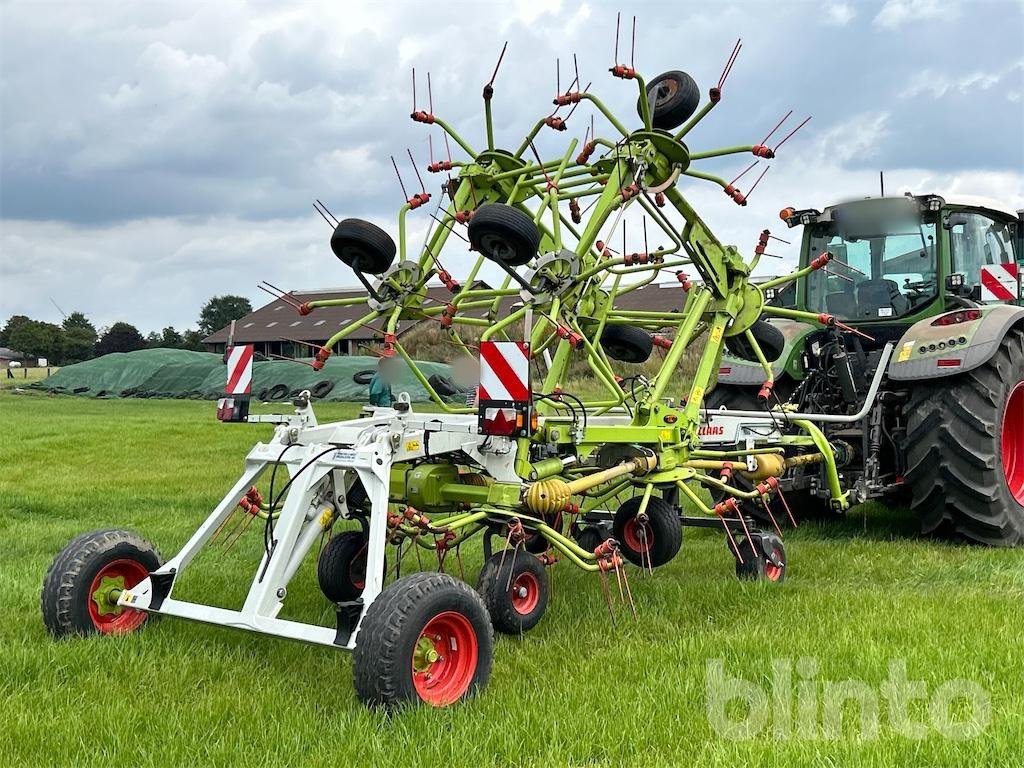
(77, 338)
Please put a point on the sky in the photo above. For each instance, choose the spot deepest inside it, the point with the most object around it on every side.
(155, 154)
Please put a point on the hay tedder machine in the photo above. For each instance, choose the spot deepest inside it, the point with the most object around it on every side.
(539, 473)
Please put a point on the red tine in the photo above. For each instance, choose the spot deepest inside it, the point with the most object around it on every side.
(417, 170)
(788, 135)
(728, 64)
(777, 126)
(785, 505)
(743, 172)
(400, 182)
(501, 56)
(754, 185)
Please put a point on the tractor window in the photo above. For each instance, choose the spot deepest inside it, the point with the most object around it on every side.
(873, 276)
(976, 241)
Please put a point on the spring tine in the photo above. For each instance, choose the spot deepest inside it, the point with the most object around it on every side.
(500, 57)
(430, 96)
(743, 522)
(242, 530)
(828, 271)
(458, 559)
(618, 578)
(785, 504)
(771, 517)
(416, 170)
(220, 528)
(848, 266)
(618, 17)
(743, 172)
(778, 125)
(607, 596)
(754, 185)
(512, 570)
(773, 237)
(775, 149)
(732, 540)
(629, 592)
(226, 541)
(414, 89)
(324, 216)
(400, 182)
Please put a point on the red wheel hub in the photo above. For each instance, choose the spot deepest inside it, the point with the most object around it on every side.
(1012, 443)
(525, 593)
(357, 569)
(773, 572)
(444, 659)
(107, 616)
(639, 537)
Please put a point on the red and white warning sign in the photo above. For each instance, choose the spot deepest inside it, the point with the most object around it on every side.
(503, 395)
(239, 370)
(505, 371)
(1000, 282)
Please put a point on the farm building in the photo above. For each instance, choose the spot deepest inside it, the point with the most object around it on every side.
(276, 329)
(8, 356)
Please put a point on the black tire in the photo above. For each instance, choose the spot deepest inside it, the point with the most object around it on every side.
(957, 460)
(363, 246)
(768, 337)
(341, 569)
(589, 537)
(277, 392)
(516, 589)
(322, 389)
(504, 234)
(676, 98)
(262, 396)
(626, 343)
(387, 643)
(68, 587)
(444, 386)
(653, 543)
(79, 390)
(764, 558)
(363, 377)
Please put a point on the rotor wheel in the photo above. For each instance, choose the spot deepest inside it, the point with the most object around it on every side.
(763, 558)
(504, 234)
(626, 343)
(341, 568)
(676, 97)
(363, 246)
(516, 589)
(649, 542)
(768, 338)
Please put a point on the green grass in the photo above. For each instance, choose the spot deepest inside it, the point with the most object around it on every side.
(575, 691)
(24, 376)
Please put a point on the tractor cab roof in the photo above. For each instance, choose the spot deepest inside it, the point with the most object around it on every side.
(969, 201)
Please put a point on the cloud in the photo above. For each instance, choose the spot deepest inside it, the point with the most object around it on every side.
(839, 14)
(896, 13)
(938, 84)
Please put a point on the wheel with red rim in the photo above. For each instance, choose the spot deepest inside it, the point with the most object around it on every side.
(426, 638)
(965, 448)
(648, 537)
(515, 587)
(341, 568)
(763, 558)
(82, 586)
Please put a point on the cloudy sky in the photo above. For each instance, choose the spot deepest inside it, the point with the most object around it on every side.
(154, 154)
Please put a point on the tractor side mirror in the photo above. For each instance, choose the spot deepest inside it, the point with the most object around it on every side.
(955, 220)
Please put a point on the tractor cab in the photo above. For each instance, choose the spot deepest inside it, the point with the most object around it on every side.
(897, 260)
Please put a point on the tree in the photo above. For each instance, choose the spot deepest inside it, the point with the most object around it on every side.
(193, 340)
(120, 337)
(80, 321)
(152, 339)
(170, 338)
(36, 339)
(12, 324)
(220, 311)
(78, 344)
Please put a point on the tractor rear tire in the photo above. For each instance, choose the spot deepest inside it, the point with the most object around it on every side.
(76, 597)
(515, 588)
(426, 638)
(363, 246)
(654, 542)
(504, 234)
(965, 450)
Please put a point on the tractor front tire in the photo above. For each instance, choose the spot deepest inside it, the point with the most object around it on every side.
(426, 638)
(965, 450)
(80, 588)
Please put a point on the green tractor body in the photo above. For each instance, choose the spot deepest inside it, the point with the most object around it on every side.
(939, 279)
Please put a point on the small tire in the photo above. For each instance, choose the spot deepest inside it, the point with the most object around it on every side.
(444, 386)
(676, 98)
(363, 246)
(278, 392)
(362, 378)
(764, 558)
(76, 597)
(414, 616)
(654, 542)
(626, 343)
(768, 337)
(322, 389)
(341, 568)
(589, 537)
(504, 234)
(515, 588)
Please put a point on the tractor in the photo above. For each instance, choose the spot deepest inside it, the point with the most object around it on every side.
(937, 278)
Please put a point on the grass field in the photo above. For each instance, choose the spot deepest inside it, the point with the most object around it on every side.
(23, 376)
(575, 691)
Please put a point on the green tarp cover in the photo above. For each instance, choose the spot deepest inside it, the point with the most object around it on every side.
(177, 373)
